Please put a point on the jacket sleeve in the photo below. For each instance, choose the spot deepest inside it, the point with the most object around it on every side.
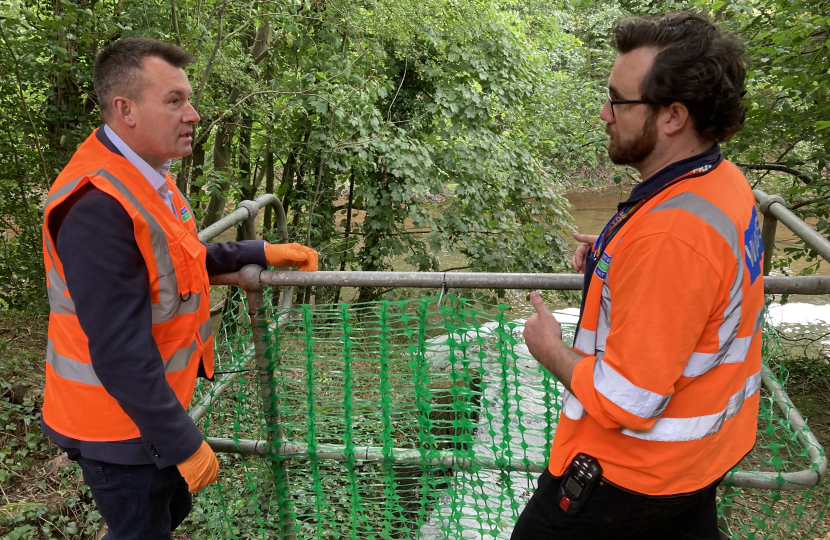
(107, 278)
(662, 295)
(223, 257)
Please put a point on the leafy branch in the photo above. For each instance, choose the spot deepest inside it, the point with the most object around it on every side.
(25, 105)
(804, 177)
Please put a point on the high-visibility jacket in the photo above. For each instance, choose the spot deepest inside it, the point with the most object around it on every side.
(75, 402)
(667, 397)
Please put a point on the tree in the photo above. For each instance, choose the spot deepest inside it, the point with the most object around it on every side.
(452, 126)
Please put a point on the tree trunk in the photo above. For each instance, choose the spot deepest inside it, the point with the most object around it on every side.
(221, 148)
(221, 165)
(196, 169)
(371, 239)
(63, 97)
(246, 182)
(287, 182)
(184, 171)
(347, 232)
(267, 225)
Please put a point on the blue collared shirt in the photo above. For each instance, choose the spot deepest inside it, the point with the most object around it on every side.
(156, 178)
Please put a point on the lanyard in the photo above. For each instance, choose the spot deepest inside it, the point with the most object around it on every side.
(623, 215)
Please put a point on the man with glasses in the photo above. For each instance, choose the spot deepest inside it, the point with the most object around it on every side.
(662, 385)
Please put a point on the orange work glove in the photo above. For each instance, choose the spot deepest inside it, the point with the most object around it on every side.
(291, 255)
(200, 469)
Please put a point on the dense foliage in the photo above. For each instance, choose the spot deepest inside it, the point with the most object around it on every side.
(391, 131)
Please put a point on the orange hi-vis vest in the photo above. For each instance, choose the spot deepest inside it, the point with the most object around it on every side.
(75, 402)
(667, 397)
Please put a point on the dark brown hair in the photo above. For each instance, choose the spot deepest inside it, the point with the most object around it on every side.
(697, 65)
(117, 69)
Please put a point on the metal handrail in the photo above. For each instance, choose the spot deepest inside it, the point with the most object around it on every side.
(774, 209)
(253, 279)
(786, 481)
(246, 211)
(482, 280)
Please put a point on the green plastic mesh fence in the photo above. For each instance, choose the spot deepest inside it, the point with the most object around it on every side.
(415, 419)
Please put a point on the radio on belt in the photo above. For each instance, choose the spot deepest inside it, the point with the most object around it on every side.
(581, 476)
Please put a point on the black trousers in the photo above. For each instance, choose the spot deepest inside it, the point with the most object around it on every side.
(137, 501)
(615, 514)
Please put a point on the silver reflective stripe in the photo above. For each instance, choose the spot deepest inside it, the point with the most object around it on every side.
(76, 371)
(69, 368)
(604, 321)
(169, 305)
(571, 407)
(698, 427)
(180, 358)
(206, 330)
(58, 303)
(700, 363)
(625, 395)
(585, 340)
(64, 190)
(718, 220)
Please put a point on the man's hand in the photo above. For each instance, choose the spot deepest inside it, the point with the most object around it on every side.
(542, 331)
(587, 241)
(200, 469)
(283, 255)
(543, 337)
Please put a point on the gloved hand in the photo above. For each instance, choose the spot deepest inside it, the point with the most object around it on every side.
(200, 469)
(291, 255)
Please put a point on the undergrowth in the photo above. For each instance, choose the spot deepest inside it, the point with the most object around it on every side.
(42, 495)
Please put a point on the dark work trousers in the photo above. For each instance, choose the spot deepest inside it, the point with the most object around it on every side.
(615, 514)
(137, 501)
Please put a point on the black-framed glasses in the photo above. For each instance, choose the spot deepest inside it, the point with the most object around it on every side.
(625, 102)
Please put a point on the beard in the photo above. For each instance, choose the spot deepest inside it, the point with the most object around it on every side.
(636, 149)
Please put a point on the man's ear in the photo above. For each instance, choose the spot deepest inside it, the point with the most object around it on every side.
(122, 111)
(675, 118)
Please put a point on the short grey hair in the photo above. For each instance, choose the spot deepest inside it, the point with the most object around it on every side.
(117, 68)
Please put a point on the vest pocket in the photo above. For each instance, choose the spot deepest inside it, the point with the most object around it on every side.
(189, 257)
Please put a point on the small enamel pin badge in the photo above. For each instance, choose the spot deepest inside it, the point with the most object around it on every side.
(603, 264)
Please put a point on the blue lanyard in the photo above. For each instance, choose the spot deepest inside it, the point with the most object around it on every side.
(616, 221)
